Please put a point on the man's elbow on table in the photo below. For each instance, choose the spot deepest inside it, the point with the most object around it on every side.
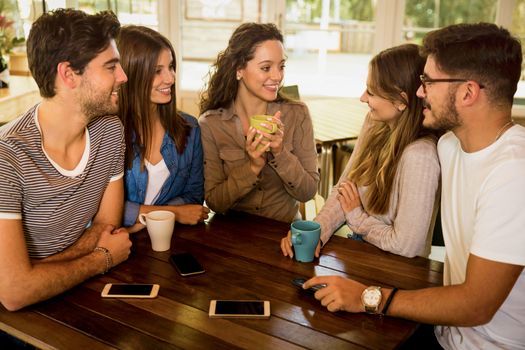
(18, 290)
(11, 299)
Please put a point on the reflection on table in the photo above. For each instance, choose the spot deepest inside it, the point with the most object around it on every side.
(242, 259)
(335, 120)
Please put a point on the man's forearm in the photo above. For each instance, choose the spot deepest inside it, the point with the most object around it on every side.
(48, 279)
(439, 305)
(83, 246)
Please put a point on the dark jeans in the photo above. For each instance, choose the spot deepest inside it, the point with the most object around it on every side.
(423, 338)
(9, 342)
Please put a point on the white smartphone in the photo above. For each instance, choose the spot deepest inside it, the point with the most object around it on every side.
(240, 308)
(125, 290)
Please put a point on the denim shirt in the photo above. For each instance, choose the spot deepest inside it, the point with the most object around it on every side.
(185, 184)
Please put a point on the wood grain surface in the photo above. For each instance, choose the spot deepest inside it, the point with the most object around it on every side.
(242, 259)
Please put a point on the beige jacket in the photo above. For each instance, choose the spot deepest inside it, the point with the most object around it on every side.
(285, 180)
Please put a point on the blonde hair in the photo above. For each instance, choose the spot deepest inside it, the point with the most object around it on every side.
(394, 75)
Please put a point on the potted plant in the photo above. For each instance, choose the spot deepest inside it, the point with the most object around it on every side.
(8, 40)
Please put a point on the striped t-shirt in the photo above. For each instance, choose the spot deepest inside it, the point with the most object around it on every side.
(55, 207)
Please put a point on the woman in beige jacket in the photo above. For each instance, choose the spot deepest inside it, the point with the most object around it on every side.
(270, 180)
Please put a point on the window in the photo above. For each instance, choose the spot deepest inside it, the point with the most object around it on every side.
(518, 29)
(140, 12)
(422, 16)
(205, 27)
(143, 12)
(329, 44)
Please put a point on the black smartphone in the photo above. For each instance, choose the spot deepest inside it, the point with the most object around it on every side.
(186, 264)
(300, 281)
(124, 290)
(240, 308)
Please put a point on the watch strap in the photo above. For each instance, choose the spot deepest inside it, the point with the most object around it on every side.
(388, 301)
(371, 309)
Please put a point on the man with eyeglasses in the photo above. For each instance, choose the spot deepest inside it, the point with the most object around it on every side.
(468, 84)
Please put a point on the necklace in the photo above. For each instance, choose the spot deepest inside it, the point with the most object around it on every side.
(502, 130)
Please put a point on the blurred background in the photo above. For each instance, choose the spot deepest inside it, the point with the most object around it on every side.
(328, 42)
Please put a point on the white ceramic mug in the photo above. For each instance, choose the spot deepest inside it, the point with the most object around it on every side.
(160, 224)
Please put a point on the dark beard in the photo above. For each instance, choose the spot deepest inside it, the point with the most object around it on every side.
(93, 110)
(448, 118)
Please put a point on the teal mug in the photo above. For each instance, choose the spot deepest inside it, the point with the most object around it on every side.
(305, 236)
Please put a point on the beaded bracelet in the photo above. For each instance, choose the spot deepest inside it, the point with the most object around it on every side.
(388, 301)
(107, 254)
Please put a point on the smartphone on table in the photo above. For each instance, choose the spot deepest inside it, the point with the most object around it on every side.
(299, 281)
(125, 290)
(240, 308)
(186, 264)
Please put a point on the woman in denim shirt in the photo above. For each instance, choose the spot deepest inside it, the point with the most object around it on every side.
(164, 166)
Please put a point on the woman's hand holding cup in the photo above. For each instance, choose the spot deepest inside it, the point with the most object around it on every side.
(287, 250)
(256, 152)
(286, 245)
(265, 134)
(276, 138)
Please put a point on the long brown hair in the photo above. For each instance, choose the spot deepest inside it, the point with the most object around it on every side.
(222, 85)
(139, 49)
(393, 75)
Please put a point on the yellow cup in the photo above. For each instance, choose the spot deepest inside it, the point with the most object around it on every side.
(257, 120)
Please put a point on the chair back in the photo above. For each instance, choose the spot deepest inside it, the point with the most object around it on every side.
(291, 92)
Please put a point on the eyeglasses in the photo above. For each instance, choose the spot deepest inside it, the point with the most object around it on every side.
(426, 80)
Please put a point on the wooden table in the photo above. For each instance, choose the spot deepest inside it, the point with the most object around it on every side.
(243, 261)
(335, 120)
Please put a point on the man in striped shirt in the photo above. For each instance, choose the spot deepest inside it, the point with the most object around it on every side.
(61, 163)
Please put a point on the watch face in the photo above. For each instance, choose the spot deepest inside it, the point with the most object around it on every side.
(372, 297)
